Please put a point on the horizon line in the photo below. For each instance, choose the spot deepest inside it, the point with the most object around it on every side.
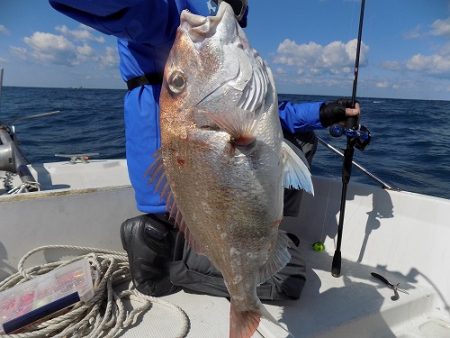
(329, 95)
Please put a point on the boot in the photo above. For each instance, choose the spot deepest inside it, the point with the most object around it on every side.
(149, 243)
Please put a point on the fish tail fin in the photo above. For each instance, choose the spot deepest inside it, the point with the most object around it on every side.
(243, 324)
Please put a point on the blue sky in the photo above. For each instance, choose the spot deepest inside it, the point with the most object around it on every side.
(309, 45)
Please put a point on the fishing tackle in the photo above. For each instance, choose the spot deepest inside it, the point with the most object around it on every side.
(394, 287)
(361, 134)
(352, 142)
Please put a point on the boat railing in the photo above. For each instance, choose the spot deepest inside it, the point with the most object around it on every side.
(382, 183)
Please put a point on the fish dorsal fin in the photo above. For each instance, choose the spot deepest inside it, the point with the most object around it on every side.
(158, 179)
(279, 258)
(296, 173)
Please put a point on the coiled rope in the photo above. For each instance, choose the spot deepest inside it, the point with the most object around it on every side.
(105, 315)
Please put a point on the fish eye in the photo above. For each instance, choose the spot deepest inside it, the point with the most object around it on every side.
(176, 82)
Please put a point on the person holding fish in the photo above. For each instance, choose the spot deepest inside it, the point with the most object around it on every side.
(207, 101)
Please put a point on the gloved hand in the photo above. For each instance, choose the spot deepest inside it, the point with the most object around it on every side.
(337, 111)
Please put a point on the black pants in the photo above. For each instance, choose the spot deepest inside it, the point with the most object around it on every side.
(195, 273)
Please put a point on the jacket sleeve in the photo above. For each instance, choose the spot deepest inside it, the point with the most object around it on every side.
(300, 117)
(134, 20)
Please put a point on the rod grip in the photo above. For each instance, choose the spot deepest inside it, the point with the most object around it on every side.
(336, 265)
(351, 122)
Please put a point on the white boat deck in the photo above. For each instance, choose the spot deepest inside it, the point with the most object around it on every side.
(353, 305)
(402, 236)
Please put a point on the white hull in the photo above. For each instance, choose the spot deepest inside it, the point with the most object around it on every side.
(403, 236)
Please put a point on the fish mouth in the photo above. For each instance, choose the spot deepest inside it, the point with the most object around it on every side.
(199, 27)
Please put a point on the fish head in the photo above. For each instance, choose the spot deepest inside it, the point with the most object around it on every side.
(219, 117)
(212, 74)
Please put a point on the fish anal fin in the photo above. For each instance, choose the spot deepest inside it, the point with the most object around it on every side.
(243, 324)
(296, 172)
(278, 259)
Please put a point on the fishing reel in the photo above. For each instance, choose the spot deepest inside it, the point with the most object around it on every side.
(360, 136)
(12, 160)
(7, 162)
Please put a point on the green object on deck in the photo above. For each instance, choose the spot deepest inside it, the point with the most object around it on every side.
(318, 246)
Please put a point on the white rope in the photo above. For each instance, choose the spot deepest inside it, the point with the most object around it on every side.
(105, 315)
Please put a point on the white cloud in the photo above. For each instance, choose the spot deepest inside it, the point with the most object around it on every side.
(85, 50)
(51, 48)
(415, 33)
(392, 65)
(441, 27)
(19, 52)
(110, 58)
(382, 84)
(336, 58)
(280, 71)
(4, 30)
(55, 49)
(2, 60)
(84, 33)
(40, 40)
(434, 64)
(68, 47)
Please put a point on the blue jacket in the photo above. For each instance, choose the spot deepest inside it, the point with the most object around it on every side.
(146, 31)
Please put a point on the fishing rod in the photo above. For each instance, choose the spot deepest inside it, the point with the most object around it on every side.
(351, 126)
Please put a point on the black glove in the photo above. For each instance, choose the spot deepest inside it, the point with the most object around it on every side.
(334, 111)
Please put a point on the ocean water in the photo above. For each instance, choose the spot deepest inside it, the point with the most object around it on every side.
(410, 147)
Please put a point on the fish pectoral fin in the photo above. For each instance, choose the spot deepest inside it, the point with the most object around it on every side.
(158, 179)
(240, 124)
(278, 260)
(296, 172)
